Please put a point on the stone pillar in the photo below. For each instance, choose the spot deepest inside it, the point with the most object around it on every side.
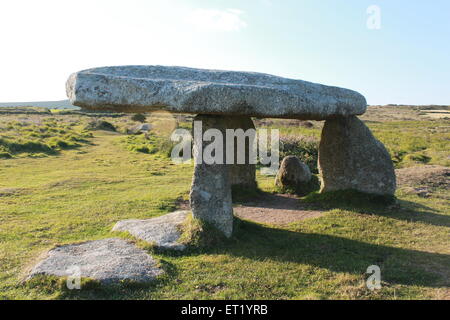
(351, 158)
(210, 196)
(242, 175)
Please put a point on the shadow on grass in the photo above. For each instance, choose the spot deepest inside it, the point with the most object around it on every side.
(377, 205)
(349, 200)
(399, 266)
(261, 243)
(278, 201)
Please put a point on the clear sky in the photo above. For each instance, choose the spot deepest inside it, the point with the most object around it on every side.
(406, 60)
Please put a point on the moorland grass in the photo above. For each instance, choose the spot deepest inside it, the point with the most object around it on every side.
(79, 194)
(44, 138)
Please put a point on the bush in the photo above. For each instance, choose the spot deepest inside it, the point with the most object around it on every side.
(100, 125)
(306, 148)
(139, 117)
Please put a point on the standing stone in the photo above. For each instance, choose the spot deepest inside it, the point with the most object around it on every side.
(294, 174)
(210, 196)
(242, 175)
(351, 158)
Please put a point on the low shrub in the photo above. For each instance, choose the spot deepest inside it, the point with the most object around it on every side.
(100, 125)
(138, 117)
(306, 148)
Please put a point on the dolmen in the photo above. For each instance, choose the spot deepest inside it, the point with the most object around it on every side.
(349, 155)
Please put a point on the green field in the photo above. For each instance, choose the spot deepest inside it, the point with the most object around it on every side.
(60, 183)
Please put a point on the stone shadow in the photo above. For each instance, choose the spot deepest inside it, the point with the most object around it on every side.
(398, 266)
(367, 204)
(275, 201)
(400, 210)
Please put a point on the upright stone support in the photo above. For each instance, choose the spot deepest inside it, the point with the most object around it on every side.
(351, 158)
(210, 196)
(242, 175)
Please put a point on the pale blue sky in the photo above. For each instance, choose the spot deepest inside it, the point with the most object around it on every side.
(327, 41)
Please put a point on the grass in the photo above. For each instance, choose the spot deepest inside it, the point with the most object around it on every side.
(150, 144)
(40, 138)
(200, 235)
(78, 194)
(410, 143)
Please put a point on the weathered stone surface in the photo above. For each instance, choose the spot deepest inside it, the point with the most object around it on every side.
(107, 260)
(163, 231)
(210, 196)
(242, 175)
(188, 90)
(293, 174)
(351, 158)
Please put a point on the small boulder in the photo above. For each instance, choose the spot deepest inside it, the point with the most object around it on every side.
(294, 174)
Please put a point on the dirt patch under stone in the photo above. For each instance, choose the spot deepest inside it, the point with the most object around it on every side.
(276, 209)
(423, 180)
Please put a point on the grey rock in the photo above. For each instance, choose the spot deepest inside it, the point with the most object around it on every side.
(163, 231)
(351, 158)
(210, 196)
(242, 175)
(294, 174)
(139, 128)
(108, 260)
(188, 90)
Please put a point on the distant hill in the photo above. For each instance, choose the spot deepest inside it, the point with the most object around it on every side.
(62, 104)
